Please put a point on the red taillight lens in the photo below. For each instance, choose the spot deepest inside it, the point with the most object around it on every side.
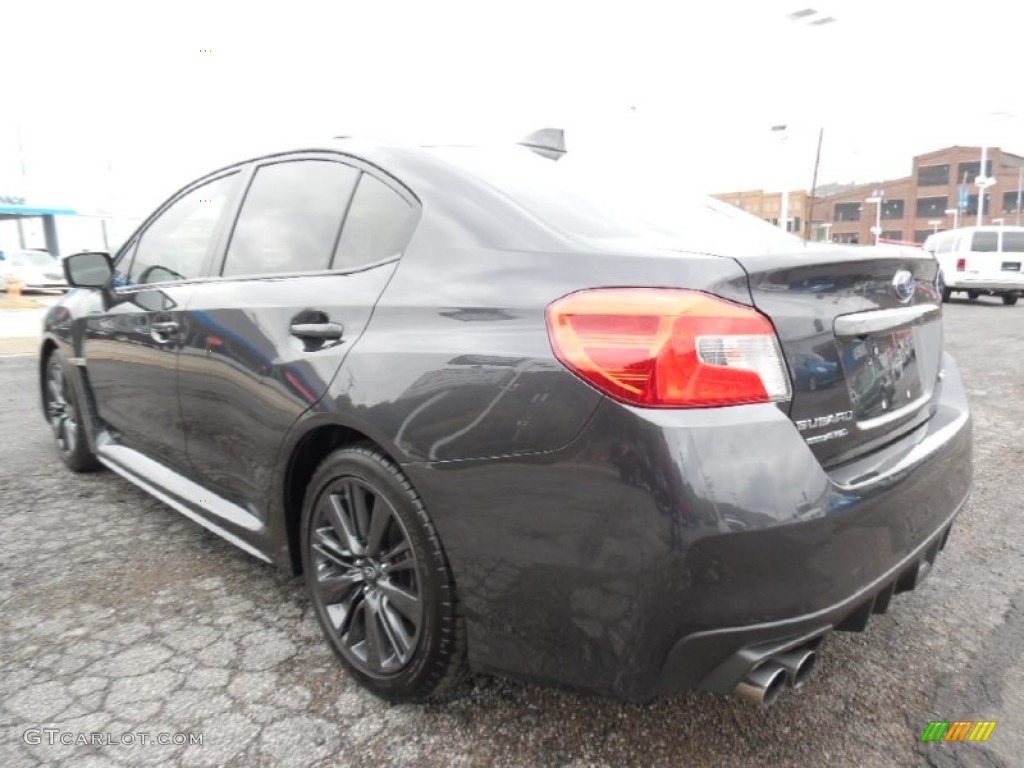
(668, 348)
(961, 265)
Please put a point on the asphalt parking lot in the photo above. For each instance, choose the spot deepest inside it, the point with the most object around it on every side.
(117, 615)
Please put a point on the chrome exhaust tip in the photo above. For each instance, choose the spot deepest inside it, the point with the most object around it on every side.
(763, 684)
(798, 664)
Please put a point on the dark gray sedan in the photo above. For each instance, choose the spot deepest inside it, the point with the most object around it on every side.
(501, 422)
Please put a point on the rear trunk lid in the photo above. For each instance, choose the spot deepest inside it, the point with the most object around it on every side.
(861, 332)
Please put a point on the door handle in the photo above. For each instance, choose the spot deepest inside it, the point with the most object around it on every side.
(165, 327)
(323, 331)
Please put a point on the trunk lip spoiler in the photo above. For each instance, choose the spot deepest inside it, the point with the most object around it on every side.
(878, 320)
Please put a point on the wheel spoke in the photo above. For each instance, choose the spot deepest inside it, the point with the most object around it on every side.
(336, 587)
(405, 602)
(380, 518)
(349, 608)
(329, 547)
(398, 637)
(70, 436)
(357, 503)
(341, 522)
(402, 565)
(374, 638)
(401, 548)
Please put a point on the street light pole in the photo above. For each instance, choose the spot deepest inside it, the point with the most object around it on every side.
(877, 200)
(1020, 190)
(956, 216)
(984, 182)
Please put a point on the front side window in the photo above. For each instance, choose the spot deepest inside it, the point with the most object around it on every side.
(291, 218)
(175, 245)
(377, 226)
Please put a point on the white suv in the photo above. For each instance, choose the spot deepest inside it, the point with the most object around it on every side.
(977, 260)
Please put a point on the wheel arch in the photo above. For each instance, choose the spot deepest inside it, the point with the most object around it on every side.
(305, 455)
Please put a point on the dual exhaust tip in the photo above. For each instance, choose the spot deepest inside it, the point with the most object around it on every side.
(764, 683)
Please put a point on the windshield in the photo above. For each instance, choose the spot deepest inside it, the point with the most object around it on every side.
(599, 199)
(32, 259)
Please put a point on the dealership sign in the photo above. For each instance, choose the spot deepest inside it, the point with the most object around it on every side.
(18, 205)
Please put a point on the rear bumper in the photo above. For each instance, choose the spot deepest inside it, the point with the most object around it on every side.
(968, 283)
(664, 549)
(718, 660)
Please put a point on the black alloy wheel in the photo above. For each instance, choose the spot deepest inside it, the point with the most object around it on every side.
(60, 403)
(378, 577)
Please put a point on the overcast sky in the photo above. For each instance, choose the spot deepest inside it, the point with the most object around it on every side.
(690, 89)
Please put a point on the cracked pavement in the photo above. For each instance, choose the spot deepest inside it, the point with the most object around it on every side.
(118, 615)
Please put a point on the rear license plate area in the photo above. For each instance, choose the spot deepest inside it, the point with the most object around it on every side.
(1011, 266)
(882, 373)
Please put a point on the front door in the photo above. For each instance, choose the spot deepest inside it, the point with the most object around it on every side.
(131, 347)
(262, 343)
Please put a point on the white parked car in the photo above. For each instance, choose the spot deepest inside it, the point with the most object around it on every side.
(980, 260)
(35, 270)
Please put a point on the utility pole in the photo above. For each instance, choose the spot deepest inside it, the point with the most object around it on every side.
(809, 218)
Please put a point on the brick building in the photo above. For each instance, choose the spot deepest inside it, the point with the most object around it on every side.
(911, 208)
(768, 205)
(915, 206)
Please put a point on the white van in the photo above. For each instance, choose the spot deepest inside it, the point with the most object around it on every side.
(977, 260)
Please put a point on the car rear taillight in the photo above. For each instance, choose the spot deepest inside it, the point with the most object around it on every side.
(961, 265)
(668, 348)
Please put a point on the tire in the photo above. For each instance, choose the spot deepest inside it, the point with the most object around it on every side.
(1009, 299)
(379, 579)
(947, 294)
(63, 412)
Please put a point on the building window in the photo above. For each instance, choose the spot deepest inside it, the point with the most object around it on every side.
(793, 225)
(933, 176)
(971, 169)
(892, 234)
(1010, 202)
(892, 209)
(929, 207)
(971, 209)
(847, 212)
(920, 235)
(850, 238)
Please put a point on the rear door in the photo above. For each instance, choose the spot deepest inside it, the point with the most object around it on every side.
(295, 290)
(983, 262)
(868, 317)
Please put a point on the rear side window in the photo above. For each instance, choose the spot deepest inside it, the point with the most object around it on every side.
(944, 245)
(175, 245)
(377, 226)
(291, 218)
(985, 242)
(1013, 242)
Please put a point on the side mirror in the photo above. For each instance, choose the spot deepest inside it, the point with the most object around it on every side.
(89, 269)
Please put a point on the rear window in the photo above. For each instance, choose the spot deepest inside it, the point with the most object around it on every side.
(985, 242)
(1013, 242)
(584, 197)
